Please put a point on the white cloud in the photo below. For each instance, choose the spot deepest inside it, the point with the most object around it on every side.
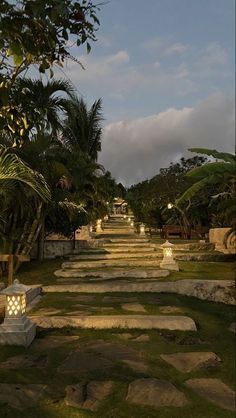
(213, 55)
(136, 149)
(176, 48)
(120, 57)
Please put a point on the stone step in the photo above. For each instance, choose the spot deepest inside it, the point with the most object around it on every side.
(130, 244)
(221, 291)
(110, 263)
(114, 273)
(173, 323)
(130, 250)
(153, 254)
(132, 240)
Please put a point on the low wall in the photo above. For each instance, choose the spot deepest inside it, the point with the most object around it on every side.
(217, 237)
(61, 248)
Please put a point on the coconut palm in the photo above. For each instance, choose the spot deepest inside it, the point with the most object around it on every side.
(23, 193)
(83, 129)
(45, 105)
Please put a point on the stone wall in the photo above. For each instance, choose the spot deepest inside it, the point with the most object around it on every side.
(217, 237)
(61, 248)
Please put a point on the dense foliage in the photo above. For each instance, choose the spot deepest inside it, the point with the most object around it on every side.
(50, 139)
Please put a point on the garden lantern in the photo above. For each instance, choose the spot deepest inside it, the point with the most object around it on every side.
(142, 230)
(16, 329)
(168, 261)
(99, 226)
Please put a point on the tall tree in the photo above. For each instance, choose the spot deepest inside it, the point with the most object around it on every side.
(83, 130)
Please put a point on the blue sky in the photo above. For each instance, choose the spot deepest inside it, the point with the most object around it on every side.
(161, 67)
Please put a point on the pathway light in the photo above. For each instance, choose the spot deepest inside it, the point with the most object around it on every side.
(168, 262)
(16, 329)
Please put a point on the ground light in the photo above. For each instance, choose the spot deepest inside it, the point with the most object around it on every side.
(99, 225)
(142, 230)
(16, 329)
(168, 262)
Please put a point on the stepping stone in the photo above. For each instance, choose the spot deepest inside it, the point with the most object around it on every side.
(112, 273)
(47, 311)
(77, 265)
(232, 327)
(170, 309)
(172, 323)
(142, 338)
(82, 361)
(136, 366)
(115, 351)
(186, 362)
(124, 336)
(88, 396)
(133, 307)
(155, 393)
(20, 396)
(25, 362)
(53, 341)
(94, 308)
(215, 391)
(81, 298)
(119, 299)
(78, 313)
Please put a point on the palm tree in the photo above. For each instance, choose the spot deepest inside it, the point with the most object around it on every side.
(44, 106)
(83, 129)
(23, 193)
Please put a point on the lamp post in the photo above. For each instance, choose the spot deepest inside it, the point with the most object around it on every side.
(142, 232)
(168, 262)
(16, 329)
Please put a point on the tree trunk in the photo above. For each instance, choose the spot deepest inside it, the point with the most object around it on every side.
(41, 242)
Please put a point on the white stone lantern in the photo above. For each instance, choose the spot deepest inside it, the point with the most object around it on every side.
(16, 329)
(142, 232)
(168, 262)
(99, 226)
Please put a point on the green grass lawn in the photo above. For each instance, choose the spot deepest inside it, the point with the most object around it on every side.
(42, 272)
(212, 321)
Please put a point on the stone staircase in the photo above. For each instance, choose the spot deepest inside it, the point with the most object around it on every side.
(123, 254)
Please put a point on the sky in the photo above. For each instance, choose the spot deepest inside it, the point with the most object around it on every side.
(165, 72)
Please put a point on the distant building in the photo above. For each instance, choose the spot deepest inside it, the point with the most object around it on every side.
(119, 206)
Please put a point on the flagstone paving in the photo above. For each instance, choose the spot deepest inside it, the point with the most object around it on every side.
(186, 362)
(82, 372)
(214, 390)
(88, 396)
(156, 393)
(20, 396)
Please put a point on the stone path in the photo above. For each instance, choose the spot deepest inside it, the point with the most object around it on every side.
(89, 370)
